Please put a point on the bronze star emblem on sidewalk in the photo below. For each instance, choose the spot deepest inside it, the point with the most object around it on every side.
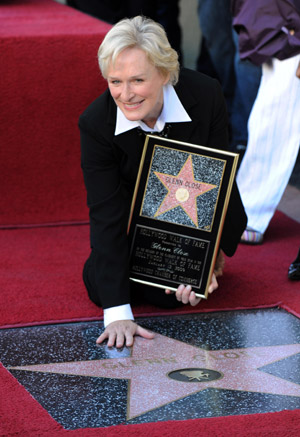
(153, 363)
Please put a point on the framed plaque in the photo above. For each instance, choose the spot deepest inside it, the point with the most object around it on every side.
(177, 213)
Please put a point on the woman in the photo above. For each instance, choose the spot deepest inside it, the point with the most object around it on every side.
(145, 94)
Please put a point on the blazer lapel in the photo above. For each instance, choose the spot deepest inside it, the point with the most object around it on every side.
(131, 143)
(184, 131)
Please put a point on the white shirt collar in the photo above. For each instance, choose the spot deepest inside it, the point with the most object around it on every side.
(172, 112)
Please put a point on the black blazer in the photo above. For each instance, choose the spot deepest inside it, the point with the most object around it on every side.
(110, 165)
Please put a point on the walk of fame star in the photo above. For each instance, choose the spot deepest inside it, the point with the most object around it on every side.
(152, 363)
(183, 191)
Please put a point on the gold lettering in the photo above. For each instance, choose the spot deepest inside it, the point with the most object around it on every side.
(169, 360)
(194, 266)
(109, 365)
(137, 362)
(123, 365)
(199, 244)
(231, 355)
(200, 357)
(153, 361)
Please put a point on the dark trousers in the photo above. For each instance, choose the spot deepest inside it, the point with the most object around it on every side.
(140, 293)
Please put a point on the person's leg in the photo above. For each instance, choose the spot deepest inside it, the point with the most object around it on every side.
(148, 8)
(88, 276)
(168, 17)
(248, 76)
(274, 137)
(204, 63)
(155, 296)
(111, 11)
(216, 27)
(140, 293)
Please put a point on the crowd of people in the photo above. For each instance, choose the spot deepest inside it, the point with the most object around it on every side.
(256, 62)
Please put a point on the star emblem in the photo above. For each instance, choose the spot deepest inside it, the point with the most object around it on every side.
(183, 191)
(153, 363)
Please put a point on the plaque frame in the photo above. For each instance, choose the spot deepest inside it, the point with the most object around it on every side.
(174, 233)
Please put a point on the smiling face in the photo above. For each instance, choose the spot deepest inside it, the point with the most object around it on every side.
(136, 86)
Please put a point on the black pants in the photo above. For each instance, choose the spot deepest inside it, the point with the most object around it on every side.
(140, 293)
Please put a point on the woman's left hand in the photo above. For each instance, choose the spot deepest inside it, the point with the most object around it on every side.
(186, 295)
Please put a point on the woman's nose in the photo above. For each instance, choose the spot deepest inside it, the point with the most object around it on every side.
(126, 92)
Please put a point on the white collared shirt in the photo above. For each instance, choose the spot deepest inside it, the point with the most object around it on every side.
(172, 112)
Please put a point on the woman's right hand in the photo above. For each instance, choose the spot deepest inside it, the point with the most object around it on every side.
(121, 333)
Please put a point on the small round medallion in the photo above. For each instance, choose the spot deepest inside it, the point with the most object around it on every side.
(182, 194)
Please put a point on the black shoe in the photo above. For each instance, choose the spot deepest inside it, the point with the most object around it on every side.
(294, 269)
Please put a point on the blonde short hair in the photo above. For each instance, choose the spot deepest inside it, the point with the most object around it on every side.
(145, 34)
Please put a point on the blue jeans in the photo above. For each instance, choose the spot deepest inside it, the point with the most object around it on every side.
(248, 77)
(216, 27)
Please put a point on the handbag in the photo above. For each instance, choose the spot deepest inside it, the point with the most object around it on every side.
(267, 28)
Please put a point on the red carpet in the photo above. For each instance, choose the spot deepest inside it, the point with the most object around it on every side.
(49, 74)
(41, 282)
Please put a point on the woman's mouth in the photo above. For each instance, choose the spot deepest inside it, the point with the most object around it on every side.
(132, 105)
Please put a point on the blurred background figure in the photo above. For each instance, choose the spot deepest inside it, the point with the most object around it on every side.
(168, 12)
(219, 58)
(269, 34)
(165, 12)
(114, 10)
(217, 51)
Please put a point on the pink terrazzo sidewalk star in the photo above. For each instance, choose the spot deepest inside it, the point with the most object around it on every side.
(152, 364)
